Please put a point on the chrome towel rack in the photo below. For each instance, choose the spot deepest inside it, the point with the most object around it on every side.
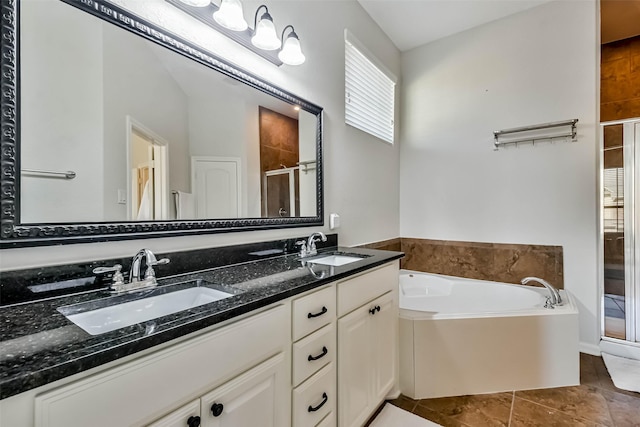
(563, 129)
(51, 174)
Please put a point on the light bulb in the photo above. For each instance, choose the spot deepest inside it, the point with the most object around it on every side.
(231, 16)
(291, 53)
(265, 36)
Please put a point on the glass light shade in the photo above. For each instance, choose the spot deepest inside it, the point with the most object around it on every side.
(197, 3)
(291, 53)
(265, 36)
(230, 15)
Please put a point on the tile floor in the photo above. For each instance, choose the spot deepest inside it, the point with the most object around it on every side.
(614, 306)
(595, 402)
(614, 320)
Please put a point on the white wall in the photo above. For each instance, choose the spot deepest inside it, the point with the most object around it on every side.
(137, 85)
(360, 173)
(63, 128)
(226, 126)
(534, 67)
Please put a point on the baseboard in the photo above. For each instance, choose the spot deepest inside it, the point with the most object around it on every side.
(620, 348)
(588, 348)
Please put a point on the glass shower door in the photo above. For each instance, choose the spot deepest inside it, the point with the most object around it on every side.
(619, 213)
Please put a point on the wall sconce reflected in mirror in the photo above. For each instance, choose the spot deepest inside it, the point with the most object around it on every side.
(263, 40)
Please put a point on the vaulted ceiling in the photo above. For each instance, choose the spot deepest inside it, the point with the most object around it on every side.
(412, 23)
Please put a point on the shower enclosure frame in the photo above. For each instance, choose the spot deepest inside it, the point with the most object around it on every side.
(630, 346)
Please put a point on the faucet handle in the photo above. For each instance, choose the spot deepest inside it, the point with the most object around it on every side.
(162, 261)
(150, 273)
(118, 278)
(303, 247)
(101, 270)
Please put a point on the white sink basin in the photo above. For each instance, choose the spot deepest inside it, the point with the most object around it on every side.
(335, 260)
(118, 316)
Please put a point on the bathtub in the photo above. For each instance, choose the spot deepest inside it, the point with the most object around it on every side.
(462, 336)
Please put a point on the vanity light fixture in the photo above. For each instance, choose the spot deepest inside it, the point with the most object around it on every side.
(263, 40)
(264, 34)
(230, 15)
(291, 53)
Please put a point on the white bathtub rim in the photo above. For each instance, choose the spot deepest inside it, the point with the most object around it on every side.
(568, 307)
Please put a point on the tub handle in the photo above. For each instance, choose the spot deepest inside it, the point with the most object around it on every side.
(548, 304)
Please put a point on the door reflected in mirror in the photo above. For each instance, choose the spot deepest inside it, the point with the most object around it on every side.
(150, 134)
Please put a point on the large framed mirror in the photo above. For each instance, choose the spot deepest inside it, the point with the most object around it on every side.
(113, 128)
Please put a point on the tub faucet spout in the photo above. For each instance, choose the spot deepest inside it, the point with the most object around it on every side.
(555, 298)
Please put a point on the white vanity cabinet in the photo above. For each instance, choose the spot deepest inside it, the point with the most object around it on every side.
(249, 354)
(367, 343)
(323, 358)
(185, 416)
(254, 398)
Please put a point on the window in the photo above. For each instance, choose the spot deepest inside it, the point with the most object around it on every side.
(369, 91)
(613, 200)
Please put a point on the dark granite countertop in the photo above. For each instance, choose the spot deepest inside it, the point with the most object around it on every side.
(40, 345)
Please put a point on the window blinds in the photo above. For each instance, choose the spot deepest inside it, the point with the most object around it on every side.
(369, 95)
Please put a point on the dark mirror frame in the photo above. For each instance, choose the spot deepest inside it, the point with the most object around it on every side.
(15, 234)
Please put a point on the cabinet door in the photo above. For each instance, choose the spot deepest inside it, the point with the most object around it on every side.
(354, 367)
(384, 328)
(186, 416)
(258, 397)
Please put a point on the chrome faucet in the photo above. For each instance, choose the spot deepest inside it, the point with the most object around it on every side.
(308, 248)
(136, 281)
(135, 275)
(311, 242)
(554, 298)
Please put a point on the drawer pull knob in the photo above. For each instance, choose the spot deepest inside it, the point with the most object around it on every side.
(216, 409)
(320, 313)
(320, 356)
(377, 308)
(193, 422)
(374, 309)
(324, 400)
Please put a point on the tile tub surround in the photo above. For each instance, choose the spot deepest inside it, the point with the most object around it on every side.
(385, 245)
(39, 345)
(499, 262)
(596, 402)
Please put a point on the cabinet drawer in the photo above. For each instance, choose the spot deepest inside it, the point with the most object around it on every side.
(313, 311)
(313, 352)
(315, 398)
(139, 391)
(352, 293)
